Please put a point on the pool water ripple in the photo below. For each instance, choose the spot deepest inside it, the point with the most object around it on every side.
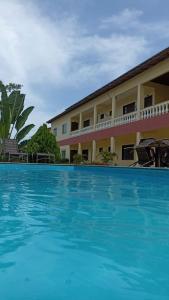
(83, 233)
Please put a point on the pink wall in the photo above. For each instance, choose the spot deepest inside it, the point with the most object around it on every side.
(138, 126)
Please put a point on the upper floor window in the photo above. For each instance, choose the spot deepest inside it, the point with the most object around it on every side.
(74, 126)
(55, 131)
(129, 108)
(86, 123)
(110, 113)
(102, 116)
(64, 128)
(148, 101)
(128, 152)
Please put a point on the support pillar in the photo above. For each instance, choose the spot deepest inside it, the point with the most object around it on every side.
(93, 150)
(113, 108)
(79, 149)
(138, 138)
(112, 144)
(95, 117)
(140, 96)
(80, 121)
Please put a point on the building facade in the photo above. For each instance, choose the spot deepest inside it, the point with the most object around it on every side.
(115, 117)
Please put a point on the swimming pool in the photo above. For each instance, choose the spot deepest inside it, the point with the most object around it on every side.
(83, 233)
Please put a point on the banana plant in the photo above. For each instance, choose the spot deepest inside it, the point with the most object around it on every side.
(13, 116)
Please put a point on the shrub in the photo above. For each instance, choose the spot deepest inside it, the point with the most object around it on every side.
(62, 161)
(77, 158)
(108, 157)
(43, 141)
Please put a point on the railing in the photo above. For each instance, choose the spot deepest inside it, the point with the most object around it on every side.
(106, 124)
(156, 110)
(82, 130)
(146, 113)
(127, 118)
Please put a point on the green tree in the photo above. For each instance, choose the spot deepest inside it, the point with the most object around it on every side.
(43, 141)
(13, 115)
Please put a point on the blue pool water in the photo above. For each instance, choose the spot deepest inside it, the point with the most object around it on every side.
(83, 233)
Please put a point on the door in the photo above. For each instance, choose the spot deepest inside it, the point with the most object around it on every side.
(85, 154)
(72, 153)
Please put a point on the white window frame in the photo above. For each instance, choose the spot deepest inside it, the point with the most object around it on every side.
(64, 128)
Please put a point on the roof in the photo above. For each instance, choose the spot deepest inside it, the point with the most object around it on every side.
(154, 60)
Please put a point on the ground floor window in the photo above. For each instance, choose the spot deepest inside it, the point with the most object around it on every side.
(63, 154)
(128, 152)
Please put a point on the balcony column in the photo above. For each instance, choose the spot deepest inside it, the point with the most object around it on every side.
(79, 149)
(80, 121)
(95, 117)
(138, 138)
(140, 96)
(112, 144)
(113, 108)
(93, 150)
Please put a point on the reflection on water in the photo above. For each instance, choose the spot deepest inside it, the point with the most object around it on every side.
(84, 235)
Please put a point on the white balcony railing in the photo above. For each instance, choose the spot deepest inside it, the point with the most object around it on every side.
(127, 118)
(106, 124)
(156, 110)
(82, 130)
(146, 113)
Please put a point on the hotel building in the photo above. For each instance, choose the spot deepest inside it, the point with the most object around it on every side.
(119, 114)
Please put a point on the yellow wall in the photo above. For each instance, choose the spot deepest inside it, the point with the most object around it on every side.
(125, 93)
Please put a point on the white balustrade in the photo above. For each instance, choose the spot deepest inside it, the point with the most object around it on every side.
(86, 129)
(127, 118)
(75, 132)
(156, 110)
(82, 130)
(105, 124)
(146, 113)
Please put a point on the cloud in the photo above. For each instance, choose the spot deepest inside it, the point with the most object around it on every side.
(50, 54)
(131, 21)
(126, 17)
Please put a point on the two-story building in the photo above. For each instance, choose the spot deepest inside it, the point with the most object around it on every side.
(116, 116)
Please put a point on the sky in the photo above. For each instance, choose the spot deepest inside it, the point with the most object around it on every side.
(62, 50)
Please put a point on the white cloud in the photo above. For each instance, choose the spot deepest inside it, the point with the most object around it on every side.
(129, 17)
(37, 51)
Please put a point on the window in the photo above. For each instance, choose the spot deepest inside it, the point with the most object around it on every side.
(109, 149)
(110, 113)
(148, 101)
(55, 131)
(64, 128)
(128, 152)
(86, 123)
(63, 154)
(102, 116)
(129, 108)
(74, 126)
(100, 149)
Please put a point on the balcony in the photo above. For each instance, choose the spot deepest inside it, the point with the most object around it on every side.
(146, 113)
(82, 130)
